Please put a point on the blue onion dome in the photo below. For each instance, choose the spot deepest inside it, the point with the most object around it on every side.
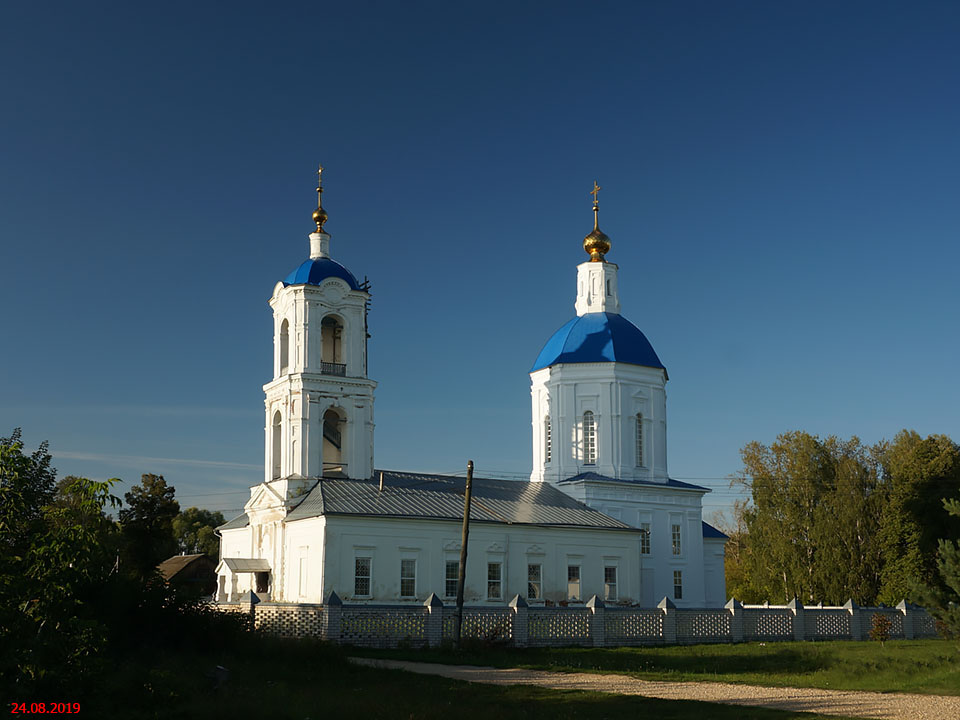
(598, 337)
(316, 270)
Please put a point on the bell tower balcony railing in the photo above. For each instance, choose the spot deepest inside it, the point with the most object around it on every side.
(330, 368)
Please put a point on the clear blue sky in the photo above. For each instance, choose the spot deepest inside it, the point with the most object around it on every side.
(781, 182)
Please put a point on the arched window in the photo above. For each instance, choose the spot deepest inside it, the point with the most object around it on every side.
(331, 346)
(589, 439)
(639, 439)
(333, 431)
(276, 429)
(284, 346)
(547, 440)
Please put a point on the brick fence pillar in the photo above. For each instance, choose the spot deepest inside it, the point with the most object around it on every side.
(736, 619)
(598, 630)
(520, 609)
(856, 627)
(333, 610)
(669, 611)
(906, 610)
(799, 627)
(434, 624)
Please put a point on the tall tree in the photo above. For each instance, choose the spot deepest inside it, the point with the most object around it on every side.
(147, 523)
(942, 598)
(813, 515)
(917, 473)
(194, 529)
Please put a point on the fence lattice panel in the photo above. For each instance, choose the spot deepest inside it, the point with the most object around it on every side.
(491, 625)
(628, 626)
(767, 624)
(558, 626)
(370, 626)
(826, 624)
(694, 626)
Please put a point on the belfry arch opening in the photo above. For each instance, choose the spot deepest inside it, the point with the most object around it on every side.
(331, 346)
(284, 346)
(276, 428)
(334, 438)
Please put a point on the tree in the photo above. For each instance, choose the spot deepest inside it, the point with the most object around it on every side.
(917, 474)
(194, 530)
(53, 566)
(814, 513)
(942, 599)
(147, 523)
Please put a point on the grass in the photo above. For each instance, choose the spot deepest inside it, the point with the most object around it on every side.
(913, 666)
(302, 680)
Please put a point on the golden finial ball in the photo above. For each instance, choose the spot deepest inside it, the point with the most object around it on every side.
(597, 244)
(319, 217)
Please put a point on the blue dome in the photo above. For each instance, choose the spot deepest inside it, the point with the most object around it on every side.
(315, 271)
(598, 337)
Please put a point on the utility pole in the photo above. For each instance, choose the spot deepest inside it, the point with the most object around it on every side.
(462, 576)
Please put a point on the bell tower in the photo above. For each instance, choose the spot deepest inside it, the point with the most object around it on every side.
(319, 404)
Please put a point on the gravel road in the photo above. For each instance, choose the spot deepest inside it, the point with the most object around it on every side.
(892, 706)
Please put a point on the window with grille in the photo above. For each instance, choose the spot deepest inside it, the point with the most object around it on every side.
(494, 581)
(547, 440)
(639, 439)
(451, 577)
(645, 538)
(675, 538)
(361, 577)
(408, 578)
(573, 582)
(589, 439)
(534, 581)
(678, 585)
(610, 583)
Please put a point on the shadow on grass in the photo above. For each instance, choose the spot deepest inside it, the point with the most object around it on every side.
(301, 680)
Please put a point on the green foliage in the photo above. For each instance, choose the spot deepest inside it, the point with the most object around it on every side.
(942, 599)
(811, 526)
(147, 523)
(68, 607)
(194, 531)
(918, 473)
(56, 557)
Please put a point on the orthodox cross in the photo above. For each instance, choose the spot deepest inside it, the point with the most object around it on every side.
(596, 192)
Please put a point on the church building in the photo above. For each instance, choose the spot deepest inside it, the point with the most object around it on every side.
(599, 515)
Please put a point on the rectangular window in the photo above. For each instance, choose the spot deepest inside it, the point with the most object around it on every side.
(361, 577)
(645, 538)
(589, 439)
(494, 583)
(573, 582)
(408, 578)
(675, 538)
(547, 440)
(451, 576)
(639, 439)
(534, 581)
(610, 583)
(678, 585)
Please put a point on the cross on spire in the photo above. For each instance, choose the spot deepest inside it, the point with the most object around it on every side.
(596, 194)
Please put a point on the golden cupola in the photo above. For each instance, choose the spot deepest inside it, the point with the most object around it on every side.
(596, 243)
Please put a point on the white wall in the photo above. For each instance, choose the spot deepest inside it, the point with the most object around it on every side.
(433, 543)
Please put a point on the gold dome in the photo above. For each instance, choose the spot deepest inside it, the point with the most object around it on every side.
(596, 243)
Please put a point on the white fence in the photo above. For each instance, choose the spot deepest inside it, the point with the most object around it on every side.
(592, 624)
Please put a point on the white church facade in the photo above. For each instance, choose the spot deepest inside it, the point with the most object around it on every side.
(599, 515)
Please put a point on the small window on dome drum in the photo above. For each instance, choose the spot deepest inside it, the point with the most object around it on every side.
(589, 439)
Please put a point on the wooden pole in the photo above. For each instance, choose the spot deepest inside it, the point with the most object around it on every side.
(462, 576)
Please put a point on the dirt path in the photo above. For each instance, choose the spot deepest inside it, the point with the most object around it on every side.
(827, 702)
